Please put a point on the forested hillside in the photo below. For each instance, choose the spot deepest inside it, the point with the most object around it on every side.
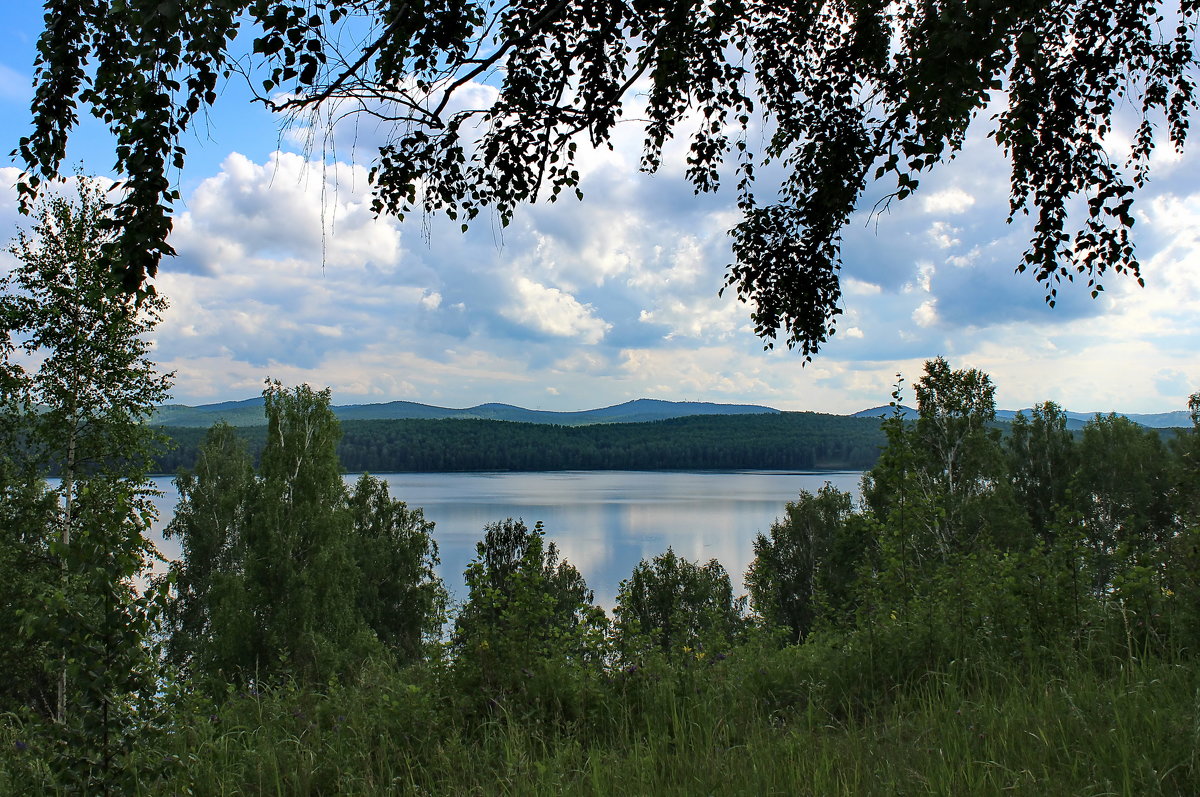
(782, 441)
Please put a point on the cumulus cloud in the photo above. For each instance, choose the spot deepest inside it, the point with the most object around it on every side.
(947, 201)
(554, 312)
(926, 314)
(284, 271)
(290, 208)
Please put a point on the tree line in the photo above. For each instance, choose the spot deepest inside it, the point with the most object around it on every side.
(964, 538)
(801, 441)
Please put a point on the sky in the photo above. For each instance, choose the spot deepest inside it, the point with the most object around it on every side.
(283, 272)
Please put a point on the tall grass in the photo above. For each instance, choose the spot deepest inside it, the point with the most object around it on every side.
(762, 721)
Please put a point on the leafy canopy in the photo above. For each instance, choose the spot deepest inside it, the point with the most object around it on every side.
(834, 94)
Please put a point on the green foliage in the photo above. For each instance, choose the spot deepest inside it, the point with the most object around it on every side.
(1041, 640)
(838, 95)
(1041, 460)
(211, 622)
(809, 564)
(1121, 491)
(1082, 548)
(528, 620)
(400, 595)
(1181, 572)
(82, 409)
(27, 512)
(763, 721)
(960, 454)
(1186, 451)
(289, 573)
(940, 488)
(300, 572)
(676, 608)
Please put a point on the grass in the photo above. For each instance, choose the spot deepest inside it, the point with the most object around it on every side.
(734, 727)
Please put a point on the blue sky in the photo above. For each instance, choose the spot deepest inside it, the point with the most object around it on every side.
(283, 272)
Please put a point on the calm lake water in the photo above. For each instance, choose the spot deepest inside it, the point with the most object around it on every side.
(604, 522)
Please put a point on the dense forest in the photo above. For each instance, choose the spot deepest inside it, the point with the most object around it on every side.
(781, 441)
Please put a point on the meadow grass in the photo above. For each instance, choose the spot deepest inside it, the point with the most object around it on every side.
(758, 723)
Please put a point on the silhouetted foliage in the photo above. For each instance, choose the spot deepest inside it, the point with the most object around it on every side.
(835, 95)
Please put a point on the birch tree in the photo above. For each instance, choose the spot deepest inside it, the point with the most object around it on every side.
(77, 368)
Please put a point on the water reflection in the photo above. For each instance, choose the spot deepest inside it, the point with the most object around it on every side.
(603, 521)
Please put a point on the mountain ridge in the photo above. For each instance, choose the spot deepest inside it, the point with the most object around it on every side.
(249, 412)
(1075, 420)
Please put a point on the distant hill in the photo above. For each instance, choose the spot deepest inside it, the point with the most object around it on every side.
(771, 441)
(1157, 420)
(250, 412)
(1075, 420)
(885, 411)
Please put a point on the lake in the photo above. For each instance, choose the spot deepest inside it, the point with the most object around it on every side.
(604, 522)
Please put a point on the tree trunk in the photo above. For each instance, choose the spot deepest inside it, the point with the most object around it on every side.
(68, 487)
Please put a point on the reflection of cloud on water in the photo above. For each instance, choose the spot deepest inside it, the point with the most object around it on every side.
(703, 530)
(604, 522)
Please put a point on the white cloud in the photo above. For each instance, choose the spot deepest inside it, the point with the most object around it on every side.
(318, 215)
(856, 287)
(926, 314)
(943, 235)
(554, 312)
(703, 319)
(948, 201)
